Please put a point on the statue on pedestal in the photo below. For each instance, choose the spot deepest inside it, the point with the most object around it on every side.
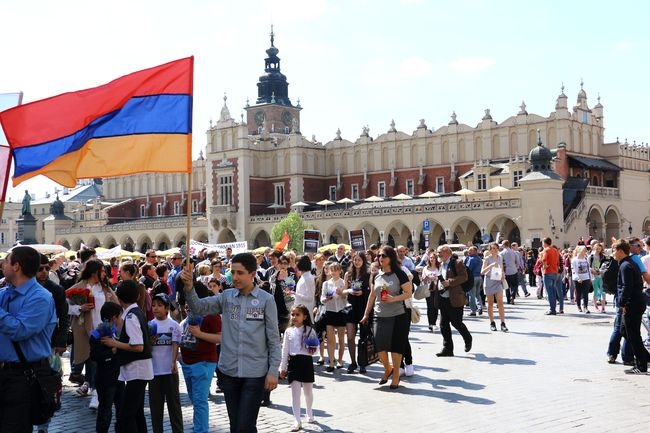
(26, 209)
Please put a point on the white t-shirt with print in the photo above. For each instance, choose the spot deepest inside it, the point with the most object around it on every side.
(169, 331)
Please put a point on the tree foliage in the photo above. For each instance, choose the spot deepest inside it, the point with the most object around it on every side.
(295, 228)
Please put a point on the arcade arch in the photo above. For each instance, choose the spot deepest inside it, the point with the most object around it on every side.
(261, 239)
(225, 235)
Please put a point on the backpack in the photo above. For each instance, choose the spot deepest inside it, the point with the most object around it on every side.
(609, 274)
(469, 282)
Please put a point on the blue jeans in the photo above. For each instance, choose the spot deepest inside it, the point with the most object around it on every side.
(553, 286)
(475, 295)
(198, 377)
(615, 340)
(243, 398)
(522, 282)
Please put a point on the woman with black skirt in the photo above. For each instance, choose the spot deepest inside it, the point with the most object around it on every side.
(390, 288)
(357, 288)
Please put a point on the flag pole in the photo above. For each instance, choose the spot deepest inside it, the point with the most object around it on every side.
(189, 218)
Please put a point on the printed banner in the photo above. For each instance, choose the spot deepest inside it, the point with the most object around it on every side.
(311, 242)
(237, 247)
(357, 240)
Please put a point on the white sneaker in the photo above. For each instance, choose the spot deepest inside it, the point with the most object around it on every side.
(94, 401)
(401, 372)
(409, 370)
(435, 328)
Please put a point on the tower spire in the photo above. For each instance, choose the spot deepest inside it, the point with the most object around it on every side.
(272, 36)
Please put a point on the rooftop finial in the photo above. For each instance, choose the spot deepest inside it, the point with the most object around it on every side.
(562, 88)
(225, 98)
(581, 83)
(599, 97)
(539, 137)
(272, 36)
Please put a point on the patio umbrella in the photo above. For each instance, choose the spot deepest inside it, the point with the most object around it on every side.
(402, 196)
(299, 204)
(325, 203)
(464, 192)
(429, 194)
(275, 206)
(345, 201)
(498, 189)
(373, 198)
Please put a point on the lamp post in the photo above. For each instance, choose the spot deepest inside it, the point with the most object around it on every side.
(629, 228)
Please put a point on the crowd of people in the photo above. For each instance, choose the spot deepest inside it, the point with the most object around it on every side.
(252, 320)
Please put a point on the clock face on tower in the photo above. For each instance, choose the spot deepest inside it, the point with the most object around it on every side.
(287, 117)
(259, 118)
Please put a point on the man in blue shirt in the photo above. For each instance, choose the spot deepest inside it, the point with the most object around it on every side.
(177, 267)
(474, 263)
(28, 317)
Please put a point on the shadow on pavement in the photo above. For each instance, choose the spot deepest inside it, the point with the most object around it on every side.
(499, 361)
(539, 334)
(449, 397)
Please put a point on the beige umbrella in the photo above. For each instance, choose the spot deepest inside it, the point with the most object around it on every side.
(498, 189)
(402, 196)
(325, 203)
(429, 194)
(345, 201)
(464, 192)
(373, 198)
(299, 204)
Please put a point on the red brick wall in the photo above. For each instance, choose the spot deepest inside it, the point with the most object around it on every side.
(131, 211)
(561, 164)
(262, 195)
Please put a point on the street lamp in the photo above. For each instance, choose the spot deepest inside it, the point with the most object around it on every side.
(629, 228)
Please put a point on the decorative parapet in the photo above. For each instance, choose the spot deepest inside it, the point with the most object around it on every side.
(396, 210)
(602, 191)
(145, 224)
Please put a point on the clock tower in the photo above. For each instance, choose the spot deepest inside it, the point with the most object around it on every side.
(273, 111)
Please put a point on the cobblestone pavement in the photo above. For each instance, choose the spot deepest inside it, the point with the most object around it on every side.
(549, 373)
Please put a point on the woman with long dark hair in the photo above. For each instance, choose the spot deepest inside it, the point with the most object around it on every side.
(85, 318)
(390, 288)
(357, 287)
(429, 274)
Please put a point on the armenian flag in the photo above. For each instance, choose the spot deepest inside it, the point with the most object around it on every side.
(141, 122)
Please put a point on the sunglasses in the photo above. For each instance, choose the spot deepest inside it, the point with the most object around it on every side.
(635, 245)
(44, 268)
(177, 258)
(382, 255)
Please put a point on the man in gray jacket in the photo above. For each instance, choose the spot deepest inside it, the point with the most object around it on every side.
(250, 342)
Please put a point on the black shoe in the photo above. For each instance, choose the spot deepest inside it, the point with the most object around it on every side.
(384, 379)
(504, 328)
(480, 311)
(77, 378)
(362, 370)
(473, 314)
(468, 345)
(527, 294)
(611, 359)
(352, 367)
(445, 353)
(320, 362)
(493, 326)
(636, 370)
(330, 368)
(561, 311)
(550, 313)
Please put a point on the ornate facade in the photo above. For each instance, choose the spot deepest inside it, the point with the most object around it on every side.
(254, 170)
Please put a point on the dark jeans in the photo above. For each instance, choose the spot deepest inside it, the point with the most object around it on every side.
(532, 281)
(131, 416)
(161, 388)
(582, 292)
(432, 311)
(632, 331)
(615, 341)
(15, 401)
(108, 394)
(243, 396)
(454, 316)
(513, 283)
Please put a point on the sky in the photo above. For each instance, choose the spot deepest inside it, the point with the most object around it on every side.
(352, 63)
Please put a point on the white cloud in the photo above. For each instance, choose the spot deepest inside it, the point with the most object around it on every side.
(472, 64)
(414, 67)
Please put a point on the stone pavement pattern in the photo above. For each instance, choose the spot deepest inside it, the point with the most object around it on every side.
(549, 373)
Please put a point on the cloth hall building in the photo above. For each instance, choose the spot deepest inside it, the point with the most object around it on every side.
(524, 177)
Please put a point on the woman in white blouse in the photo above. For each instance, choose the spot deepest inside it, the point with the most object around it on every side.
(581, 275)
(306, 286)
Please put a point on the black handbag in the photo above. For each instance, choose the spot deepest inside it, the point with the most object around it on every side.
(46, 387)
(366, 352)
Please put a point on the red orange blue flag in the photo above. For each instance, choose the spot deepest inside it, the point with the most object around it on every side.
(141, 122)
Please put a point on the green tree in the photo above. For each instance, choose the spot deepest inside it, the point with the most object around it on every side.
(295, 228)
